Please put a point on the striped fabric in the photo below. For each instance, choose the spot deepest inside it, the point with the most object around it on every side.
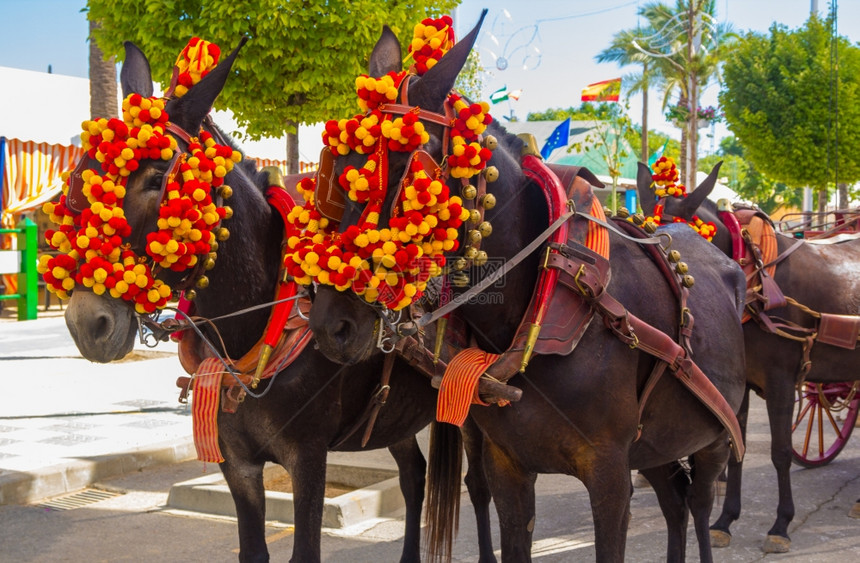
(597, 238)
(31, 175)
(763, 234)
(459, 385)
(204, 410)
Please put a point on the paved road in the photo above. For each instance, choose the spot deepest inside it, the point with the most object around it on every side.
(41, 433)
(136, 526)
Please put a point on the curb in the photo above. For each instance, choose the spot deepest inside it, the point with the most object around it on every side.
(376, 494)
(39, 484)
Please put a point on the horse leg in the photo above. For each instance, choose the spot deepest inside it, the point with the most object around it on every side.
(671, 484)
(780, 407)
(513, 490)
(245, 481)
(607, 480)
(721, 536)
(479, 489)
(307, 471)
(706, 466)
(411, 467)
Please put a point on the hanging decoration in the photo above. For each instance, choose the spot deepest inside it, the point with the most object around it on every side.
(665, 177)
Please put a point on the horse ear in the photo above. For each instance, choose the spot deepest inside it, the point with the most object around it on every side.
(135, 76)
(430, 92)
(385, 57)
(194, 106)
(691, 203)
(643, 187)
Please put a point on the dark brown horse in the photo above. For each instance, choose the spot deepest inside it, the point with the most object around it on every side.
(578, 414)
(297, 415)
(822, 277)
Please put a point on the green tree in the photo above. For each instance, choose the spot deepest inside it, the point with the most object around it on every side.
(586, 111)
(469, 82)
(775, 100)
(747, 181)
(299, 66)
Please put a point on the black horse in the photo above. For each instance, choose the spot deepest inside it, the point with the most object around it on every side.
(578, 414)
(774, 362)
(306, 409)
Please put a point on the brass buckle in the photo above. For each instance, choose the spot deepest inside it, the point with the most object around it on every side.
(582, 289)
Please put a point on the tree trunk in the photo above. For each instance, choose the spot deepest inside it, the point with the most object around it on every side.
(645, 124)
(292, 148)
(822, 202)
(843, 195)
(103, 91)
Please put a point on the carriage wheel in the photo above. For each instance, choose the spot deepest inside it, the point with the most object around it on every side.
(824, 416)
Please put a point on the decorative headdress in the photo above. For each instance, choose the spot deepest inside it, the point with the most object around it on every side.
(91, 242)
(665, 178)
(390, 265)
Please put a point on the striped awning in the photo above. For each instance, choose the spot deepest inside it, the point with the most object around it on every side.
(31, 174)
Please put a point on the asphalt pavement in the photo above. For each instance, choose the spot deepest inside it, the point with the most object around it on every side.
(118, 432)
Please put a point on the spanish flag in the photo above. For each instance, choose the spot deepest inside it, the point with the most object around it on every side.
(606, 91)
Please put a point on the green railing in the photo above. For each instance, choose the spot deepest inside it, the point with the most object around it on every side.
(23, 262)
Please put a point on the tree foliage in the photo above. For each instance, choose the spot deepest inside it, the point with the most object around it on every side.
(299, 65)
(747, 181)
(776, 101)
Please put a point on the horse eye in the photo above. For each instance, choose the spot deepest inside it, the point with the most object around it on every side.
(154, 183)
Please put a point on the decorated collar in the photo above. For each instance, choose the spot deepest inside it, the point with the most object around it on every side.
(92, 232)
(391, 266)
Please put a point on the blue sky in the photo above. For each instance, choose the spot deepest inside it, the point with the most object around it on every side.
(567, 33)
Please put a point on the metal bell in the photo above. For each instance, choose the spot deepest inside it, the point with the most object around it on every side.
(491, 142)
(474, 236)
(488, 201)
(223, 234)
(485, 228)
(228, 212)
(470, 253)
(688, 281)
(209, 263)
(190, 294)
(469, 192)
(673, 256)
(650, 227)
(213, 246)
(460, 264)
(460, 279)
(637, 219)
(225, 191)
(481, 258)
(202, 282)
(474, 216)
(681, 268)
(491, 173)
(623, 212)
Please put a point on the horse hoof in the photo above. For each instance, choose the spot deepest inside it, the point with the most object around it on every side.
(776, 544)
(720, 538)
(855, 510)
(640, 482)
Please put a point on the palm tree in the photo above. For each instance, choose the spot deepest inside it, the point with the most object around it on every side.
(103, 92)
(622, 51)
(686, 48)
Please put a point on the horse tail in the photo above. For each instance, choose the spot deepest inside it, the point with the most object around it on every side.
(444, 472)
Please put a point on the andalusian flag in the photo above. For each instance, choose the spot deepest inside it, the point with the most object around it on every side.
(606, 91)
(502, 94)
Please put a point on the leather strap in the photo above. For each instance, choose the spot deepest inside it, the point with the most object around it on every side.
(371, 411)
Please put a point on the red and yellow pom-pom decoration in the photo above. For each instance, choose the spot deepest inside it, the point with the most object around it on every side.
(431, 39)
(665, 184)
(91, 243)
(194, 62)
(389, 265)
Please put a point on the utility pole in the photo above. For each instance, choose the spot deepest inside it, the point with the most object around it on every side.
(807, 191)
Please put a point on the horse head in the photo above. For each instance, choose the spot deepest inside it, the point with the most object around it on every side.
(346, 328)
(686, 209)
(102, 313)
